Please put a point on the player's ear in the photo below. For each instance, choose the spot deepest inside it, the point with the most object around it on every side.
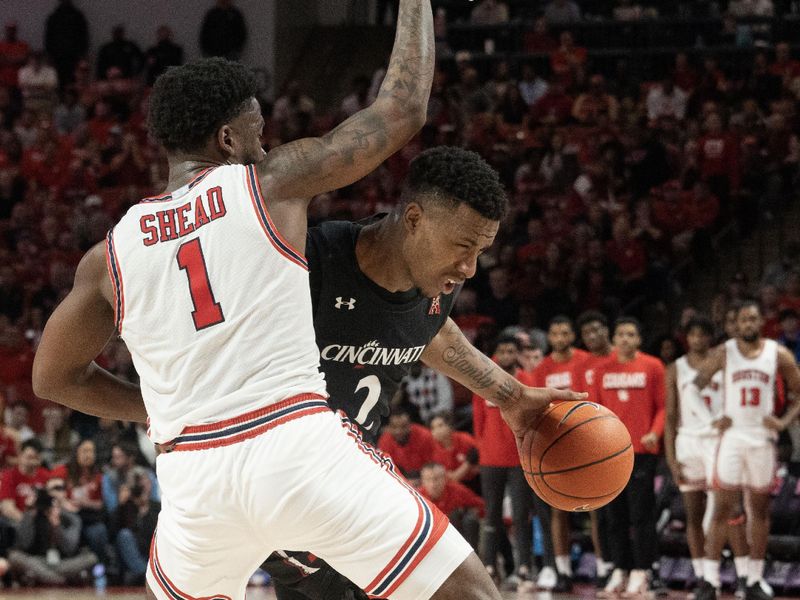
(412, 216)
(225, 140)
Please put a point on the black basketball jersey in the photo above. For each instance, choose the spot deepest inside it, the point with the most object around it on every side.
(368, 337)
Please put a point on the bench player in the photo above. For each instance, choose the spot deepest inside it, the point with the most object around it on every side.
(746, 458)
(378, 305)
(206, 286)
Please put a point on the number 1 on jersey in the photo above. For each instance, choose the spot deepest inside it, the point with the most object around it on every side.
(207, 311)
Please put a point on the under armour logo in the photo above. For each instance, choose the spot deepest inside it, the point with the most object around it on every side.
(350, 304)
(436, 308)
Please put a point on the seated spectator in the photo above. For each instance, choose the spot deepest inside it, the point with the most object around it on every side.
(628, 254)
(47, 548)
(429, 391)
(591, 106)
(569, 60)
(134, 523)
(684, 75)
(16, 421)
(410, 445)
(555, 107)
(457, 451)
(538, 40)
(83, 480)
(38, 82)
(562, 11)
(489, 12)
(462, 506)
(19, 485)
(292, 112)
(531, 86)
(666, 100)
(69, 115)
(58, 439)
(123, 459)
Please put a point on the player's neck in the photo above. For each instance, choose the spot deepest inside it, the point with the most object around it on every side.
(604, 351)
(563, 356)
(695, 357)
(749, 348)
(379, 258)
(185, 167)
(626, 358)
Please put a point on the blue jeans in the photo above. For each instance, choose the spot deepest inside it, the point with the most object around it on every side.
(96, 536)
(129, 553)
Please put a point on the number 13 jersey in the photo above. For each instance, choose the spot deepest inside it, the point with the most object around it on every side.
(212, 303)
(368, 337)
(750, 390)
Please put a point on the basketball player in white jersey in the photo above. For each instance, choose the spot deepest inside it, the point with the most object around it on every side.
(207, 288)
(750, 425)
(691, 443)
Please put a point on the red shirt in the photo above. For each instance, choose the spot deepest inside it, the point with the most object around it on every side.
(90, 487)
(630, 257)
(456, 455)
(586, 370)
(560, 375)
(414, 454)
(496, 442)
(20, 488)
(8, 448)
(456, 496)
(719, 155)
(635, 392)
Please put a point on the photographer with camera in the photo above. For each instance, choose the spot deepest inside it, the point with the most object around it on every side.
(47, 545)
(135, 523)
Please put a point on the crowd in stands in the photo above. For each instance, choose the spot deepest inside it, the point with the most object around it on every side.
(613, 180)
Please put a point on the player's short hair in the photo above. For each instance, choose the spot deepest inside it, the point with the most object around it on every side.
(444, 415)
(191, 102)
(591, 316)
(561, 320)
(701, 322)
(748, 303)
(506, 339)
(629, 321)
(456, 176)
(32, 443)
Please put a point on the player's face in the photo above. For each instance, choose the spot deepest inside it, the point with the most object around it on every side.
(441, 430)
(560, 336)
(433, 480)
(698, 340)
(627, 339)
(506, 356)
(443, 245)
(749, 323)
(245, 135)
(731, 325)
(595, 336)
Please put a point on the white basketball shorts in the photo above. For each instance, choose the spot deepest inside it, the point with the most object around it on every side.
(745, 464)
(695, 454)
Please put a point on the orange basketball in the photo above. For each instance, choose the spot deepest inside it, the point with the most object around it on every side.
(578, 456)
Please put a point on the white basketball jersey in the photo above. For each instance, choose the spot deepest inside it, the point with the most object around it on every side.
(212, 302)
(691, 420)
(750, 389)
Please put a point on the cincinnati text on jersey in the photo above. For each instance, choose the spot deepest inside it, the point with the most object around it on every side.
(372, 354)
(616, 381)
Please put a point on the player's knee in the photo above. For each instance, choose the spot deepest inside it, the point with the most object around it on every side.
(148, 593)
(469, 581)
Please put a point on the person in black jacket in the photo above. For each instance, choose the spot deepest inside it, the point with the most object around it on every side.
(66, 39)
(164, 54)
(224, 31)
(121, 53)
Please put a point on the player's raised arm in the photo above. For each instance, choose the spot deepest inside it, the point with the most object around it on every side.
(311, 166)
(787, 368)
(64, 370)
(452, 354)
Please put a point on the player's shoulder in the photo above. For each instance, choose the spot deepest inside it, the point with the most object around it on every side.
(580, 356)
(652, 361)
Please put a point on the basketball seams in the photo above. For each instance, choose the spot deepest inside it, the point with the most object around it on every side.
(583, 466)
(570, 430)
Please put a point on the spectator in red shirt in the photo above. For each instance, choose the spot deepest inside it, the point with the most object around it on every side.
(457, 451)
(462, 506)
(631, 384)
(555, 107)
(628, 254)
(569, 60)
(411, 446)
(718, 160)
(784, 66)
(13, 54)
(499, 465)
(19, 484)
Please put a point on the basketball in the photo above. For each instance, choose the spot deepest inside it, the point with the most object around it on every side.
(578, 456)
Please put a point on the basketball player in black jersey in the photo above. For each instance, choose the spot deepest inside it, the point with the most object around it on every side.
(382, 292)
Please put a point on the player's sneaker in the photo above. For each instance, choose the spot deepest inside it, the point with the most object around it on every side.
(741, 588)
(615, 584)
(637, 584)
(760, 590)
(547, 579)
(705, 591)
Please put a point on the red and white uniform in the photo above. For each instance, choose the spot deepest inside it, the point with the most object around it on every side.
(561, 375)
(215, 308)
(746, 456)
(696, 441)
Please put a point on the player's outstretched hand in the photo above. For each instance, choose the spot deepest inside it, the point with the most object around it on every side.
(521, 413)
(773, 422)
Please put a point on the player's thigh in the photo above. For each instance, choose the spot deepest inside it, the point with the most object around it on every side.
(351, 510)
(692, 455)
(730, 463)
(470, 581)
(203, 546)
(760, 463)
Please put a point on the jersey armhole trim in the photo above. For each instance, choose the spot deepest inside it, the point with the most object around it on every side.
(115, 274)
(274, 236)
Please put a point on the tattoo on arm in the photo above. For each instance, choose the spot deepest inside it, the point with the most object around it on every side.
(462, 359)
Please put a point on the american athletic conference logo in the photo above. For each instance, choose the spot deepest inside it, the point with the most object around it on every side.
(436, 306)
(341, 303)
